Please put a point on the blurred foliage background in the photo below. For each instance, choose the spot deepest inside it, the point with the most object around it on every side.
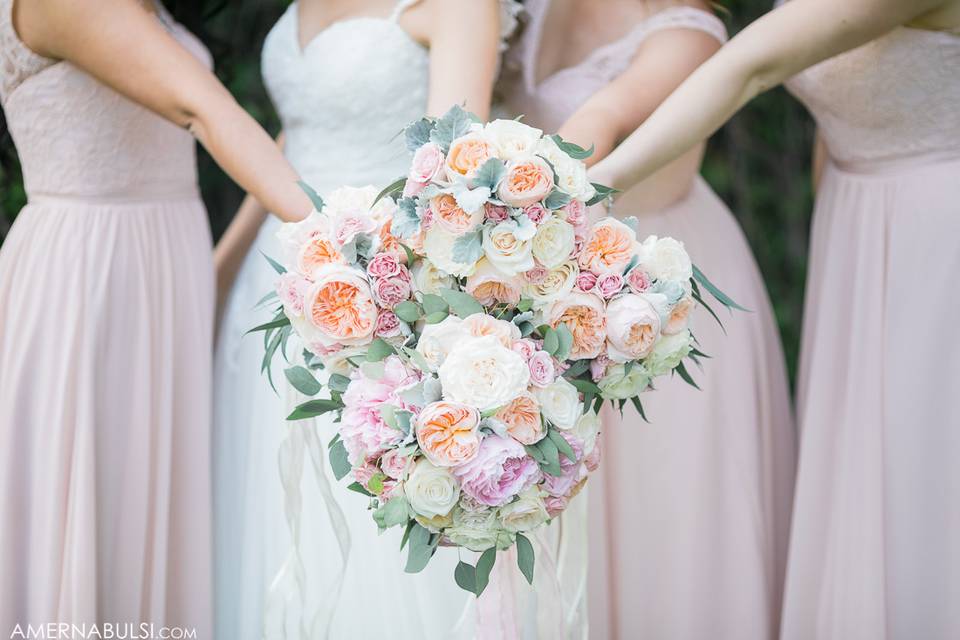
(758, 163)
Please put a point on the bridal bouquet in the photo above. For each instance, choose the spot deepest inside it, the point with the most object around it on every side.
(467, 324)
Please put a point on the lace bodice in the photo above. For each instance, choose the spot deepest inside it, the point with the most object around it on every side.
(550, 101)
(78, 138)
(897, 96)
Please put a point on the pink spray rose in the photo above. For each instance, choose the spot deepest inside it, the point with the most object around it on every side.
(500, 470)
(389, 292)
(291, 288)
(638, 280)
(496, 212)
(586, 281)
(542, 370)
(525, 347)
(347, 226)
(427, 163)
(383, 265)
(598, 367)
(555, 505)
(412, 189)
(536, 275)
(576, 212)
(536, 212)
(394, 464)
(388, 324)
(609, 285)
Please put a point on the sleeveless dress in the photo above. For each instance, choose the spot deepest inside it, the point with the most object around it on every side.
(342, 100)
(689, 515)
(875, 545)
(106, 318)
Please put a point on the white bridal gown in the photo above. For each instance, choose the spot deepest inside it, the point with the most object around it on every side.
(342, 100)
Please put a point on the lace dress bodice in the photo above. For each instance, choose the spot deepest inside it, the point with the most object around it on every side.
(895, 97)
(550, 101)
(76, 137)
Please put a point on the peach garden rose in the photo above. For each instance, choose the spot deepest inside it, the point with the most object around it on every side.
(527, 180)
(633, 325)
(585, 317)
(609, 247)
(522, 419)
(340, 306)
(447, 433)
(467, 154)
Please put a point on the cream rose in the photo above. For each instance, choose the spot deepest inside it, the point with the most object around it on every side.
(557, 283)
(525, 513)
(560, 403)
(474, 527)
(554, 242)
(679, 317)
(513, 139)
(572, 179)
(437, 340)
(438, 247)
(482, 373)
(665, 259)
(508, 246)
(431, 491)
(481, 324)
(428, 279)
(587, 429)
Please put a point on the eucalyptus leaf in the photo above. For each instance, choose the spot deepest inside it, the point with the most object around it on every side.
(394, 189)
(378, 350)
(484, 566)
(279, 268)
(575, 151)
(276, 323)
(433, 303)
(422, 545)
(314, 408)
(724, 299)
(562, 445)
(565, 339)
(302, 380)
(462, 304)
(465, 576)
(395, 512)
(552, 456)
(315, 198)
(551, 341)
(602, 193)
(435, 317)
(407, 311)
(339, 460)
(338, 382)
(525, 557)
(556, 199)
(585, 385)
(525, 304)
(359, 488)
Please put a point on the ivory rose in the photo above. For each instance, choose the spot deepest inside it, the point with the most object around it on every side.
(340, 307)
(553, 243)
(432, 491)
(528, 179)
(508, 246)
(451, 218)
(668, 353)
(482, 373)
(448, 432)
(526, 513)
(609, 247)
(633, 326)
(586, 318)
(560, 403)
(522, 419)
(491, 286)
(666, 259)
(513, 139)
(679, 317)
(438, 247)
(428, 279)
(437, 340)
(556, 284)
(467, 154)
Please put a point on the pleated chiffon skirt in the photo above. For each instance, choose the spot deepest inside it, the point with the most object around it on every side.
(105, 367)
(875, 546)
(689, 514)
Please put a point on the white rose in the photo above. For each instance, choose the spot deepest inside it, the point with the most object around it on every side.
(587, 429)
(560, 403)
(481, 372)
(572, 179)
(428, 279)
(438, 247)
(548, 150)
(431, 491)
(513, 139)
(525, 513)
(554, 242)
(508, 246)
(475, 528)
(437, 340)
(559, 283)
(665, 259)
(668, 352)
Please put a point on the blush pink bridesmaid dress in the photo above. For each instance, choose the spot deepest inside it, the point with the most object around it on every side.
(688, 515)
(106, 312)
(875, 545)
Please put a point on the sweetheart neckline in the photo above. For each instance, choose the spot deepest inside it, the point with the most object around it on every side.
(304, 49)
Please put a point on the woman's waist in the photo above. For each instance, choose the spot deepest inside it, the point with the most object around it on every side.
(155, 194)
(896, 164)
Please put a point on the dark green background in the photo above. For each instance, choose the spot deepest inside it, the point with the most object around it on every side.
(759, 163)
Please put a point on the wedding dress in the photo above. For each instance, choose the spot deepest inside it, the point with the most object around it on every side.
(342, 100)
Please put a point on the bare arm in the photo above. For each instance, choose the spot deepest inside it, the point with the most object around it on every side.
(125, 47)
(787, 40)
(464, 48)
(658, 67)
